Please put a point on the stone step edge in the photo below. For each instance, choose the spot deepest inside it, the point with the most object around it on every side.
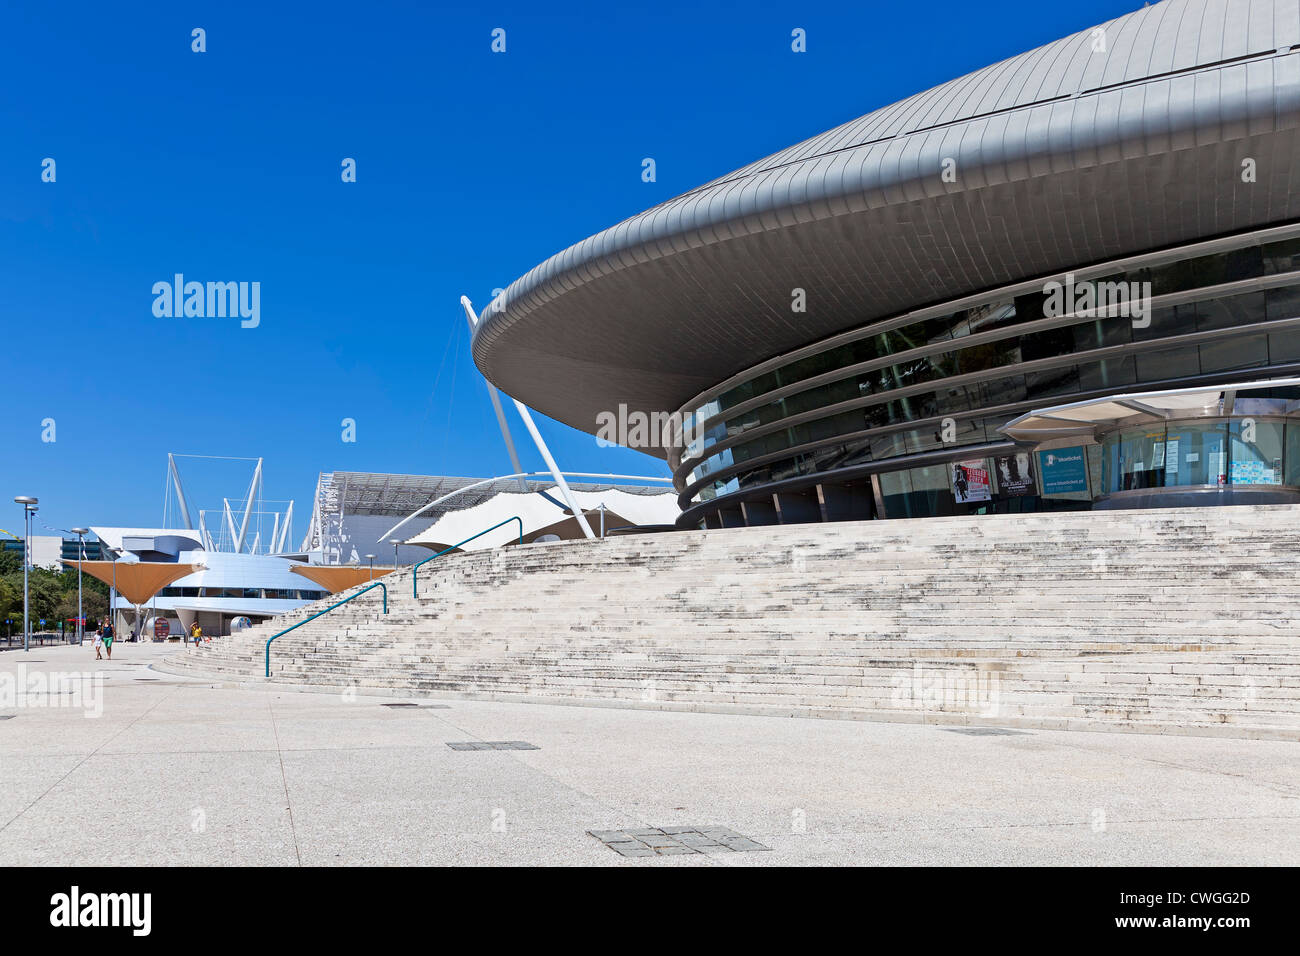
(926, 718)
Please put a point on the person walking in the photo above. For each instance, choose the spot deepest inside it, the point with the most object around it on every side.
(99, 642)
(196, 634)
(108, 640)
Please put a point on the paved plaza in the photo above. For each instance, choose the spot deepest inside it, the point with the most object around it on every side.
(183, 771)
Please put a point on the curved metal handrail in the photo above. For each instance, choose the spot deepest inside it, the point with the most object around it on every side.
(377, 584)
(415, 591)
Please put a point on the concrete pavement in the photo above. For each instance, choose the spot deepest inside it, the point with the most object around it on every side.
(182, 771)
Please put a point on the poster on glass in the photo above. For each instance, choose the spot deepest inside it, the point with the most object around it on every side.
(1015, 479)
(970, 481)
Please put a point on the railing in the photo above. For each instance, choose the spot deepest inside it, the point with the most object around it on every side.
(377, 584)
(415, 591)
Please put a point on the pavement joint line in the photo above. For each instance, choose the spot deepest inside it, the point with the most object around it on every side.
(73, 769)
(1111, 824)
(1267, 785)
(284, 779)
(567, 785)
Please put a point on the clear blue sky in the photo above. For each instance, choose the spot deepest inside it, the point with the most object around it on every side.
(472, 167)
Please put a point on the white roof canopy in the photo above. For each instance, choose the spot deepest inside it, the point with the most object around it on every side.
(537, 511)
(1086, 417)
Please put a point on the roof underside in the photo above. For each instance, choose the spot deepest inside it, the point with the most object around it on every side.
(1063, 156)
(396, 496)
(1158, 405)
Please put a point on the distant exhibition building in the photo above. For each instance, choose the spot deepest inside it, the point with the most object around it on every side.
(1068, 280)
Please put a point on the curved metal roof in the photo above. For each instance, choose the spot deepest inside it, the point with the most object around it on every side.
(1064, 156)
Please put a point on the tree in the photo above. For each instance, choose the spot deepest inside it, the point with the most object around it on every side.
(45, 595)
(11, 599)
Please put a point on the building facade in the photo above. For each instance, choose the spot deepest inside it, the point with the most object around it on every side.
(847, 328)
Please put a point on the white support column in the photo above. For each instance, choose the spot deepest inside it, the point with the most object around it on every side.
(229, 520)
(554, 468)
(284, 530)
(180, 492)
(522, 409)
(253, 489)
(472, 319)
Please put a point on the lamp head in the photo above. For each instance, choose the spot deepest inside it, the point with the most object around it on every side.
(25, 500)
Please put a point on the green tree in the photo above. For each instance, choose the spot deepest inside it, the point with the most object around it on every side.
(11, 599)
(45, 595)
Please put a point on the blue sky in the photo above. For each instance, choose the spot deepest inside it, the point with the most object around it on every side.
(472, 167)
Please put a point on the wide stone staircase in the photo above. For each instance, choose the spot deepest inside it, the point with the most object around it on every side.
(1161, 621)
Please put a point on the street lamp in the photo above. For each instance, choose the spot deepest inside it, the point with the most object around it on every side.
(114, 554)
(395, 542)
(371, 559)
(81, 553)
(29, 506)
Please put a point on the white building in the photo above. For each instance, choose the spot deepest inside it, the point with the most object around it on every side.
(229, 586)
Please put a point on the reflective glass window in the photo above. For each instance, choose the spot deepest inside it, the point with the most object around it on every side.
(1194, 454)
(1256, 453)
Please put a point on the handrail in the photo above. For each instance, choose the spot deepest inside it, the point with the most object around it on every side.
(377, 584)
(415, 591)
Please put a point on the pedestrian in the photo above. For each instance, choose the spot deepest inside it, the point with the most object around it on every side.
(196, 634)
(99, 642)
(108, 641)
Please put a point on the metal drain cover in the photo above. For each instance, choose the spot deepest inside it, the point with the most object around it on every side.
(983, 731)
(676, 841)
(421, 706)
(493, 745)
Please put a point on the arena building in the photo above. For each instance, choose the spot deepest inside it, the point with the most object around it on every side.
(891, 319)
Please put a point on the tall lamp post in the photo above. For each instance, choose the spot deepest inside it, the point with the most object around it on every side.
(81, 554)
(29, 506)
(113, 553)
(371, 559)
(395, 542)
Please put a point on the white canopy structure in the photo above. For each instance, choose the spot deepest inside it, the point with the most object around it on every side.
(541, 510)
(1086, 417)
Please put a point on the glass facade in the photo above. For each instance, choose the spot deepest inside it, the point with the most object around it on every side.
(1201, 454)
(282, 594)
(938, 379)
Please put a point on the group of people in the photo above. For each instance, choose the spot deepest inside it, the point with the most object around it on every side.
(104, 640)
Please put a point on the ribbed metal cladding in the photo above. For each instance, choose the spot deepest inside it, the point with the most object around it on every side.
(1064, 156)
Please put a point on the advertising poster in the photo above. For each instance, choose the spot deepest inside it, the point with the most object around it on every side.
(1064, 471)
(970, 481)
(1015, 477)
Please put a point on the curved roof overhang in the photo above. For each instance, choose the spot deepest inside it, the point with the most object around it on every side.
(336, 578)
(1062, 157)
(137, 581)
(1096, 415)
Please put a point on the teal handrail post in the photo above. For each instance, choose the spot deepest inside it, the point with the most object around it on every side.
(377, 584)
(415, 590)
